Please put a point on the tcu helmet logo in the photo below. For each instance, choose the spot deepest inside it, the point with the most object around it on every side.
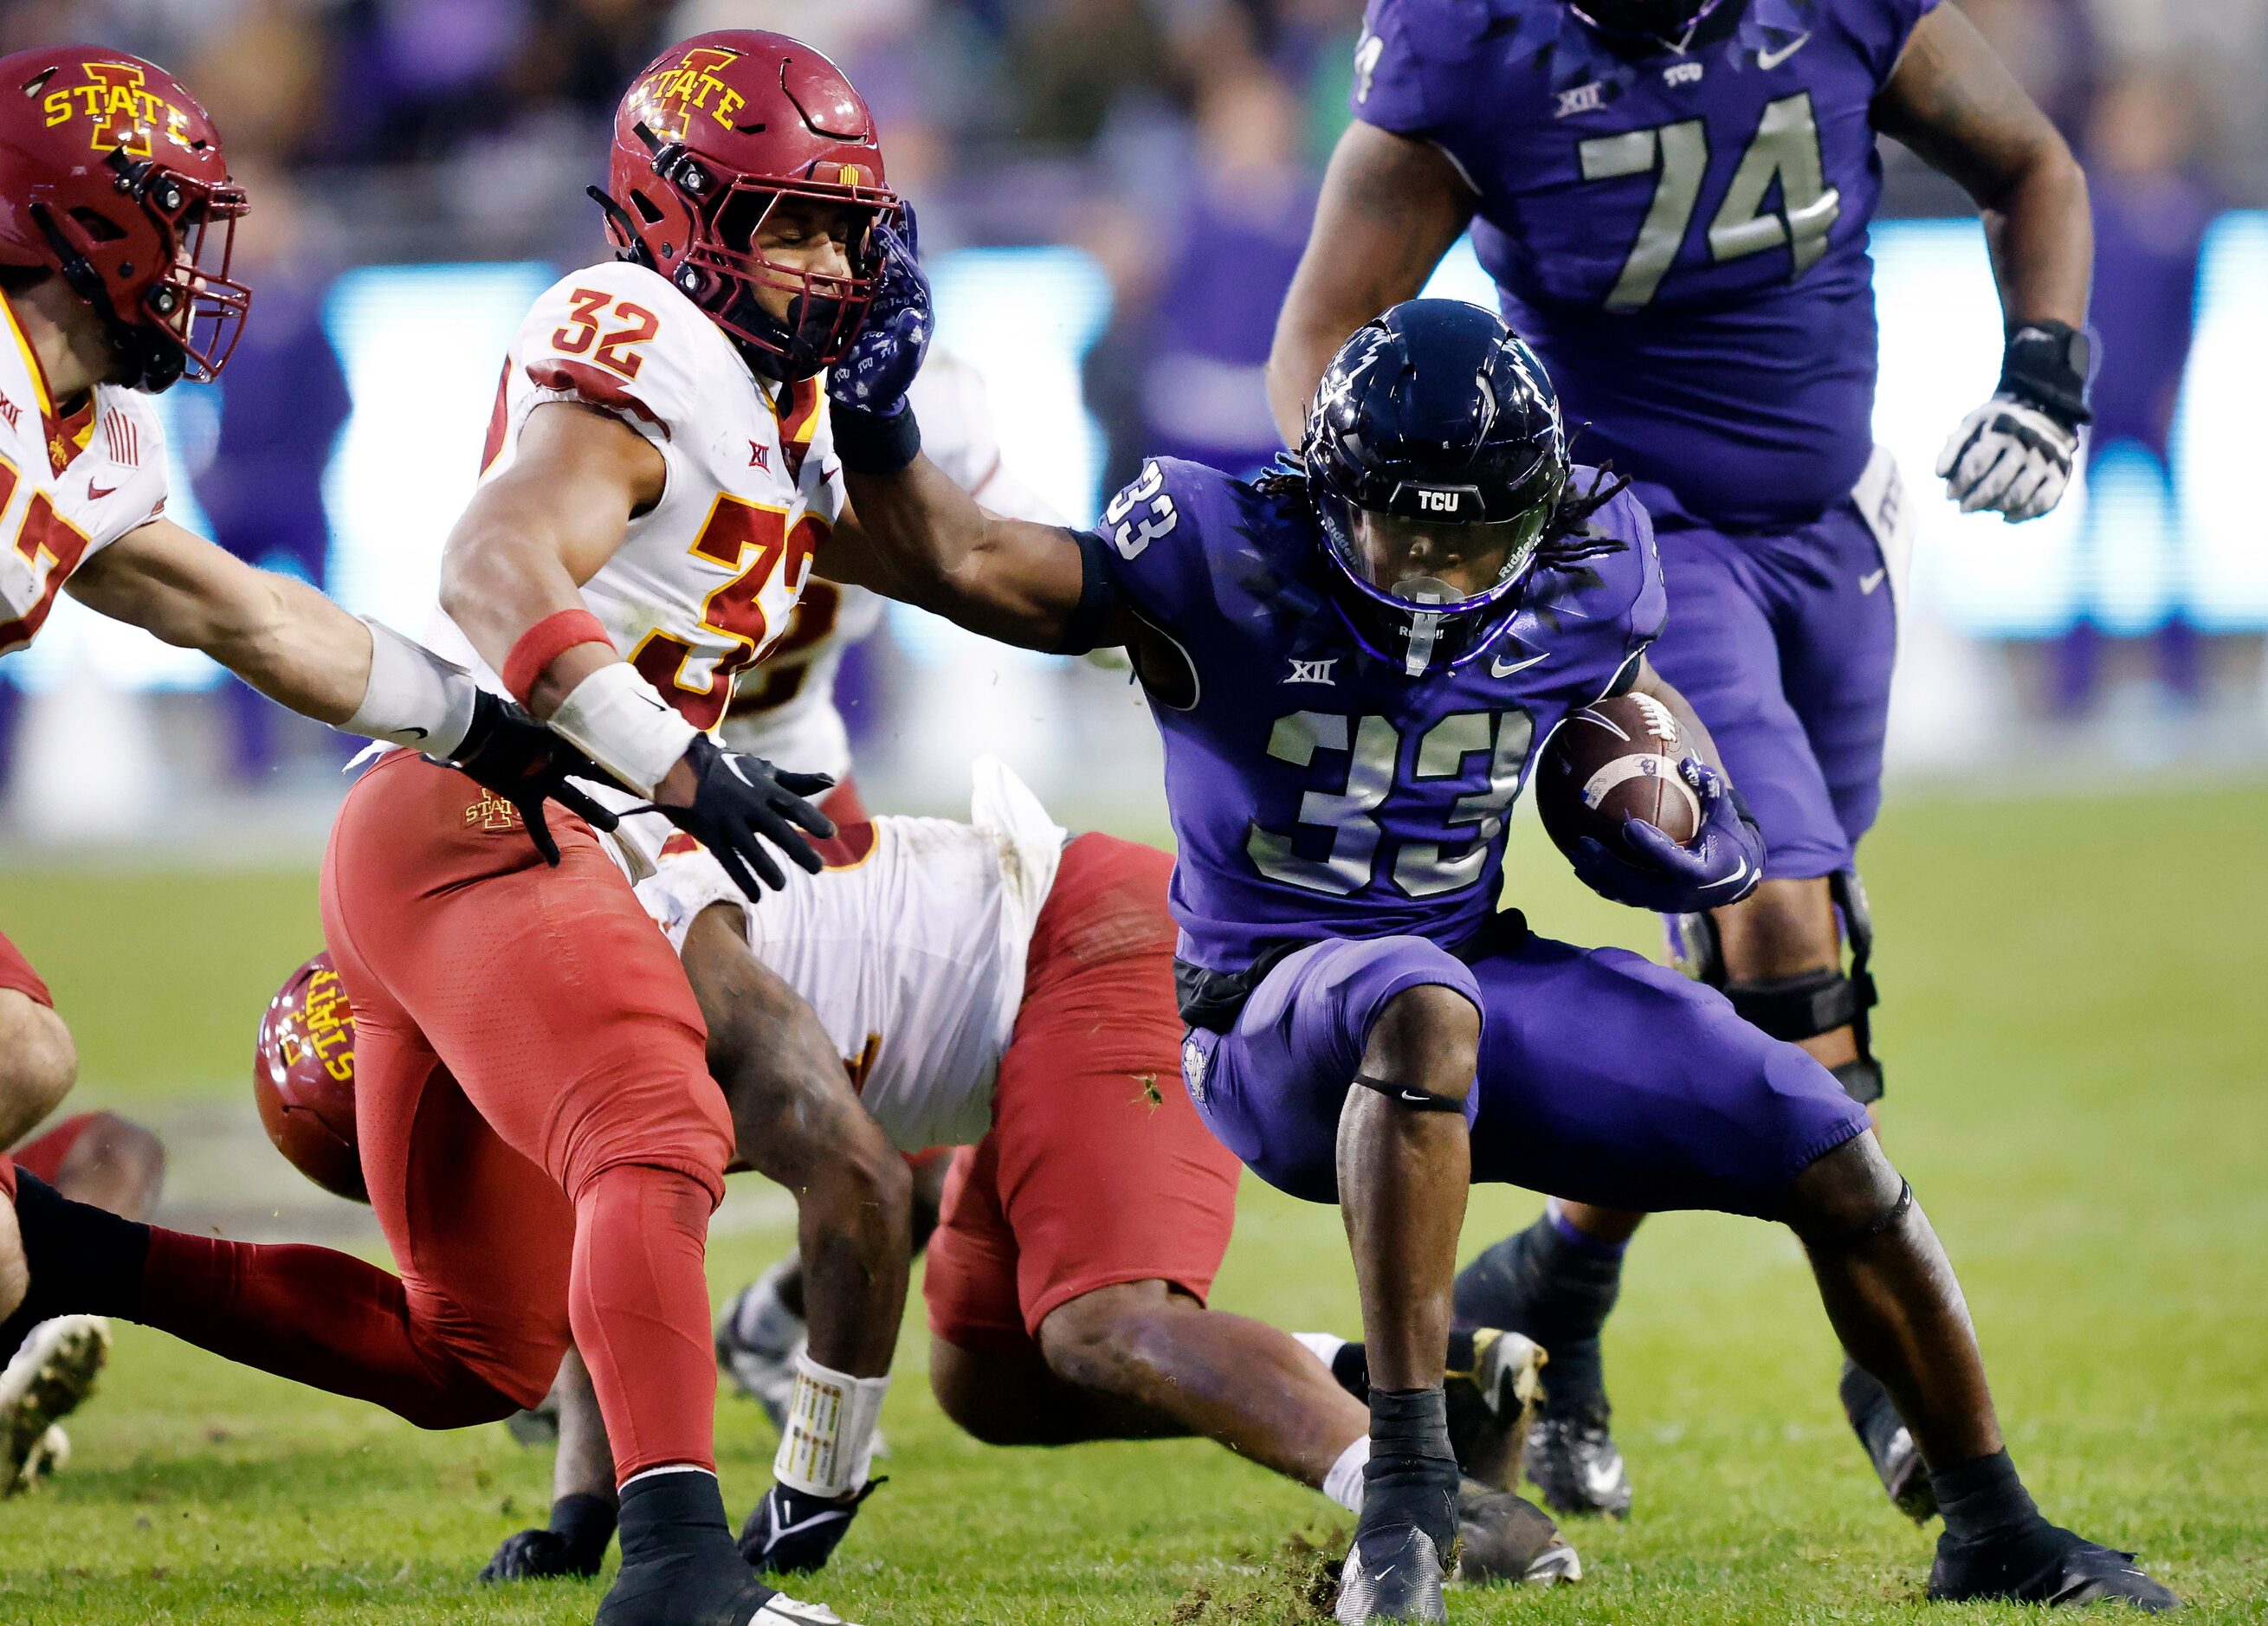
(1440, 502)
(670, 97)
(122, 110)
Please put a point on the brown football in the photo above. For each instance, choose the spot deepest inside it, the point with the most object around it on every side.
(1611, 761)
(303, 1079)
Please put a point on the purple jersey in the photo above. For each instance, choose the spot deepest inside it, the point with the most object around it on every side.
(1315, 790)
(1681, 234)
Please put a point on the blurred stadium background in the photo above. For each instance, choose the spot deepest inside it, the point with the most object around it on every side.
(1113, 196)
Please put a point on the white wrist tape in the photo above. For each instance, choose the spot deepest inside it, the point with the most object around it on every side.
(415, 698)
(829, 1443)
(621, 722)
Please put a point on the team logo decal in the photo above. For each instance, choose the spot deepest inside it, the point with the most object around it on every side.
(491, 811)
(1196, 1059)
(122, 112)
(668, 101)
(329, 1028)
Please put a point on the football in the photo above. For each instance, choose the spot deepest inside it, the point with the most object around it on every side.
(1609, 762)
(303, 1079)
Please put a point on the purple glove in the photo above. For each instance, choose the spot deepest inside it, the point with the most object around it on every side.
(875, 374)
(1721, 865)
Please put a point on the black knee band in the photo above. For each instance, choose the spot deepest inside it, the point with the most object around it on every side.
(1796, 1008)
(1888, 1219)
(1417, 1100)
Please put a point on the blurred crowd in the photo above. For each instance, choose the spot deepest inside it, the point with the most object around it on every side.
(1180, 142)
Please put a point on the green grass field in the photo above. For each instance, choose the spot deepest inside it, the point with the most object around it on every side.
(2078, 1061)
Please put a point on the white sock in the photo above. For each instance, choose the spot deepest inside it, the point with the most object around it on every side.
(1325, 1347)
(1344, 1483)
(829, 1444)
(667, 1467)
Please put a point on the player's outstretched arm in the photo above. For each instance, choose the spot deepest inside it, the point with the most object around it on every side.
(1390, 208)
(1954, 102)
(297, 647)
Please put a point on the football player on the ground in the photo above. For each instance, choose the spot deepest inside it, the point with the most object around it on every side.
(532, 1082)
(1348, 664)
(1005, 989)
(1673, 197)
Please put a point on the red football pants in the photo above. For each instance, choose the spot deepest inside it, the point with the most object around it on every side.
(541, 1139)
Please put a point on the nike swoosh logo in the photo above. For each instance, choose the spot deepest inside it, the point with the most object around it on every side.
(418, 731)
(1871, 580)
(1499, 668)
(1734, 880)
(95, 493)
(1769, 60)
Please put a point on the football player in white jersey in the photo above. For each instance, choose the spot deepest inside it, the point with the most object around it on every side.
(534, 1078)
(785, 711)
(117, 217)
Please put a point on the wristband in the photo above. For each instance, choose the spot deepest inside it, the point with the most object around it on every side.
(826, 1447)
(620, 722)
(585, 1522)
(876, 443)
(1098, 597)
(413, 697)
(2047, 363)
(546, 642)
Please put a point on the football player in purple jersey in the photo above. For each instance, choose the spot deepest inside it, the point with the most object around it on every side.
(1672, 198)
(1350, 662)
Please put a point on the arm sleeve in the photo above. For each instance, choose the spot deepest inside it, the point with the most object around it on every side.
(1150, 541)
(1882, 28)
(614, 338)
(1390, 89)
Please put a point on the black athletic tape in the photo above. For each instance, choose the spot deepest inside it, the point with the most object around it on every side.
(1417, 1100)
(873, 443)
(1098, 596)
(1802, 1006)
(2047, 363)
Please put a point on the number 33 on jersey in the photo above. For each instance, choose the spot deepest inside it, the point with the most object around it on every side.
(705, 580)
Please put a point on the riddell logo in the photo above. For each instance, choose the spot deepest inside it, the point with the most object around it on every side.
(492, 813)
(123, 113)
(669, 100)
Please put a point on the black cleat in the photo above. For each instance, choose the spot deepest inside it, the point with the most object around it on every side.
(1888, 1444)
(711, 1587)
(793, 1533)
(1572, 1458)
(2042, 1562)
(1392, 1574)
(1503, 1538)
(1492, 1405)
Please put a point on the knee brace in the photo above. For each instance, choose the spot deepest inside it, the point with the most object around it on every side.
(1416, 1100)
(1801, 1007)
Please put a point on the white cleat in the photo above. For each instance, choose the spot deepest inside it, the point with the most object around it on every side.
(52, 1373)
(757, 1343)
(786, 1611)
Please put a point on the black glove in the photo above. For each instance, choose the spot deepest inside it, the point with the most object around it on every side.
(737, 799)
(513, 755)
(575, 1544)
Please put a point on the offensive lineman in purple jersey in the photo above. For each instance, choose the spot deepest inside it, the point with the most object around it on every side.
(1673, 197)
(1350, 661)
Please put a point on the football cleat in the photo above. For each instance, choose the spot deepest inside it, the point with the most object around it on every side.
(52, 1372)
(1505, 1538)
(1492, 1406)
(1888, 1444)
(757, 1343)
(792, 1531)
(707, 1589)
(1574, 1460)
(1393, 1574)
(2043, 1564)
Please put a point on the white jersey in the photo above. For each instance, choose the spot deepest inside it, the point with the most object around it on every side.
(704, 581)
(68, 488)
(909, 945)
(785, 711)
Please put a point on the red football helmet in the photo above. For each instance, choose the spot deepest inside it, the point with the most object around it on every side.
(303, 1079)
(112, 175)
(712, 134)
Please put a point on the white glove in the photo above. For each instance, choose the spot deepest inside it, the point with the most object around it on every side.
(2010, 456)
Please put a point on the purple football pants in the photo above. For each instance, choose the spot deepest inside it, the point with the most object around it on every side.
(1784, 641)
(1602, 1076)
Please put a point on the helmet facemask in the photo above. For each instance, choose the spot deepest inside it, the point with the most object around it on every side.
(726, 266)
(1643, 19)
